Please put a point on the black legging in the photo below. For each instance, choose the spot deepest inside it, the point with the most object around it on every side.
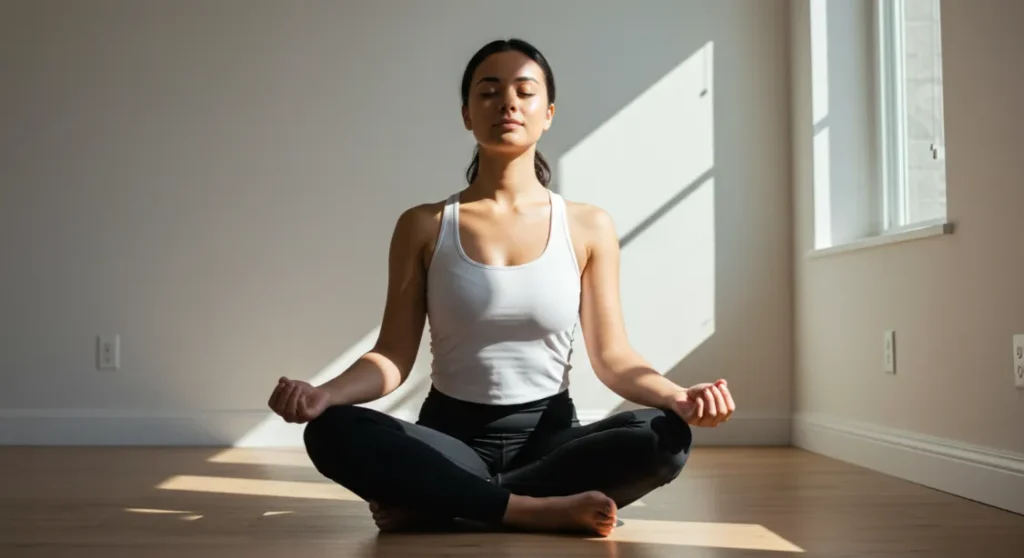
(463, 460)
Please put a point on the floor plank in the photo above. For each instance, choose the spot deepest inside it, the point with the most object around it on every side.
(729, 502)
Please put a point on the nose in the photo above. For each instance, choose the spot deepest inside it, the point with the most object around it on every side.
(510, 102)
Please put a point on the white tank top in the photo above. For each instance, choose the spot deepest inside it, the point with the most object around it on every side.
(502, 334)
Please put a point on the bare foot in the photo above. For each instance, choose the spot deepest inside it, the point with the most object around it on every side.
(590, 512)
(395, 519)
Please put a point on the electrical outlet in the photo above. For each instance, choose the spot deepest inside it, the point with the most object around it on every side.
(1018, 361)
(889, 352)
(108, 352)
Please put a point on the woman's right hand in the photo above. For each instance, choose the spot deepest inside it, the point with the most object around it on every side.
(297, 401)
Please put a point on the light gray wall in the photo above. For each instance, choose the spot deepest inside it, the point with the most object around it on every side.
(216, 182)
(955, 301)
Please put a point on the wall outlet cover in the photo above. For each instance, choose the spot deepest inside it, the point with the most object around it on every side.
(889, 352)
(108, 352)
(1018, 360)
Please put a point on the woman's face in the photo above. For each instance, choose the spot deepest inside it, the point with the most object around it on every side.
(508, 107)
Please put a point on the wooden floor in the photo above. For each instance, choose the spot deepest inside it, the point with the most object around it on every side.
(183, 503)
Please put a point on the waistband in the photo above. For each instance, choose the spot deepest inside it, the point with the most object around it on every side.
(461, 418)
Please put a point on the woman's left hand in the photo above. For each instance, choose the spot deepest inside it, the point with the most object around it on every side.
(707, 405)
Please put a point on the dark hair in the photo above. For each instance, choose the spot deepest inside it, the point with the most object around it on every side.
(540, 164)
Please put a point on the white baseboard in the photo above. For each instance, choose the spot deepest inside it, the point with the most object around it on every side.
(256, 428)
(977, 473)
(106, 427)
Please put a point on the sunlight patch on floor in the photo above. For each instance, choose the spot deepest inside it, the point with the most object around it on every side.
(246, 456)
(258, 487)
(745, 536)
(264, 487)
(184, 515)
(155, 511)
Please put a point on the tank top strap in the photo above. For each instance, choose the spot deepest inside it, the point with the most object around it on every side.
(558, 217)
(561, 235)
(446, 232)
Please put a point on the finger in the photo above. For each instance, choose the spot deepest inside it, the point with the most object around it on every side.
(729, 403)
(292, 405)
(708, 419)
(723, 409)
(698, 409)
(275, 397)
(709, 399)
(282, 403)
(374, 506)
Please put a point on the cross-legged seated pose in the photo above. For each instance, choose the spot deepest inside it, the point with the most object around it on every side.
(504, 270)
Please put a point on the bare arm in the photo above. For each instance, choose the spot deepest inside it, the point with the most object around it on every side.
(614, 360)
(387, 365)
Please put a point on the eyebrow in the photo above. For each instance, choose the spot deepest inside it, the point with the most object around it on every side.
(496, 80)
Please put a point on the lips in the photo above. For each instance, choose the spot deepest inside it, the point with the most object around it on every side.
(509, 122)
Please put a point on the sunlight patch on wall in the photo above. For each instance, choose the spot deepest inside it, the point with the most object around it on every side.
(644, 155)
(273, 431)
(403, 403)
(651, 166)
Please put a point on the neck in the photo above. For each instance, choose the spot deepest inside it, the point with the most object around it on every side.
(506, 177)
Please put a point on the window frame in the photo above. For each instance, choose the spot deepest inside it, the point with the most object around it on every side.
(891, 99)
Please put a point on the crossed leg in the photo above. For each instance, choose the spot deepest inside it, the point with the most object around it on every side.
(624, 456)
(399, 465)
(574, 478)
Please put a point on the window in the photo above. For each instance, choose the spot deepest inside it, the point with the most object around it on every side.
(871, 85)
(912, 150)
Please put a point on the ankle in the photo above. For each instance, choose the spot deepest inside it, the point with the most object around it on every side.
(521, 508)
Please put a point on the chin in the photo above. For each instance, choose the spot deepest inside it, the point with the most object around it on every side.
(507, 149)
(509, 141)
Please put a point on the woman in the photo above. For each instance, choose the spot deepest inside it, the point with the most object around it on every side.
(503, 270)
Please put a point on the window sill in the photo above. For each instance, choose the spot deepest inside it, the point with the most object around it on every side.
(925, 230)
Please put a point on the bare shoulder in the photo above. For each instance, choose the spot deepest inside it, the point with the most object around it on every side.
(593, 232)
(592, 222)
(419, 222)
(416, 232)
